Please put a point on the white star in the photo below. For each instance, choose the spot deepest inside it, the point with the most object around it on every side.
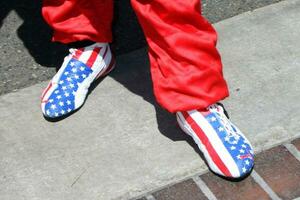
(232, 148)
(72, 64)
(64, 87)
(81, 68)
(74, 70)
(61, 82)
(56, 114)
(74, 93)
(227, 139)
(66, 73)
(234, 142)
(76, 76)
(83, 76)
(62, 112)
(69, 102)
(242, 151)
(221, 129)
(58, 97)
(56, 91)
(50, 100)
(61, 103)
(247, 162)
(244, 146)
(238, 157)
(69, 79)
(213, 119)
(53, 106)
(69, 109)
(71, 85)
(244, 169)
(67, 94)
(48, 112)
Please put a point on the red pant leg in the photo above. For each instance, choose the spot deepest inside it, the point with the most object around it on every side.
(186, 67)
(75, 20)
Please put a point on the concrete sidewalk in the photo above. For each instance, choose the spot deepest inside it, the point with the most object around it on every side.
(121, 144)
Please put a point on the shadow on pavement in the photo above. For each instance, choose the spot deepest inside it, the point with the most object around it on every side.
(134, 73)
(36, 34)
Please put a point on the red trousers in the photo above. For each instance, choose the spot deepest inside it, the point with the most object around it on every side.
(186, 67)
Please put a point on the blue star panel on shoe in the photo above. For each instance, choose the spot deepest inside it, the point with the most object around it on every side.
(226, 149)
(62, 99)
(68, 89)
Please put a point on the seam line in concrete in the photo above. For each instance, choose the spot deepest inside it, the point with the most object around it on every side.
(204, 188)
(293, 150)
(258, 179)
(78, 177)
(150, 197)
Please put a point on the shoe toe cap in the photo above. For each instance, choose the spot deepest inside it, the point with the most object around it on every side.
(54, 107)
(245, 166)
(53, 110)
(244, 163)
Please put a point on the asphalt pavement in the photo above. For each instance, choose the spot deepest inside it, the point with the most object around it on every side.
(28, 57)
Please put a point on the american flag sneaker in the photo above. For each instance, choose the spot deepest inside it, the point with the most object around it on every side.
(68, 89)
(225, 148)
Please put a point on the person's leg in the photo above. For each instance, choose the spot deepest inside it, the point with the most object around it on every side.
(76, 20)
(81, 23)
(187, 79)
(185, 65)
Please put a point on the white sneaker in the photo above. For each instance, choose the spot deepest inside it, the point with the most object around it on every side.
(68, 89)
(226, 149)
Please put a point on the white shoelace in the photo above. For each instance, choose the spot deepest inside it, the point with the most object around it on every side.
(230, 131)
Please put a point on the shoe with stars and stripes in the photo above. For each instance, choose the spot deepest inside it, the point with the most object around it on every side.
(227, 151)
(68, 89)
